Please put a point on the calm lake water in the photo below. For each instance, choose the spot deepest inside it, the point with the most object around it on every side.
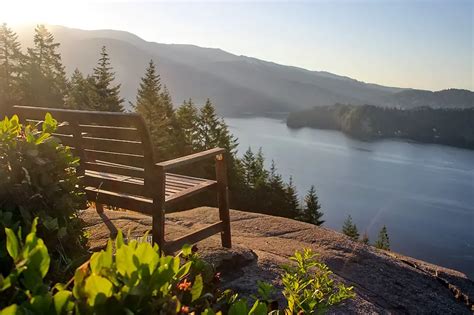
(423, 193)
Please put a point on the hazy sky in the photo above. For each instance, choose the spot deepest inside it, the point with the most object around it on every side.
(420, 44)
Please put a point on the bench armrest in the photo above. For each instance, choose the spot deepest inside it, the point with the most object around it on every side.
(188, 159)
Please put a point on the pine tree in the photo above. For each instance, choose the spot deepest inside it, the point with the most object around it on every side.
(248, 165)
(108, 96)
(350, 229)
(213, 132)
(291, 197)
(44, 80)
(276, 191)
(81, 94)
(383, 242)
(155, 106)
(311, 211)
(10, 68)
(365, 239)
(187, 116)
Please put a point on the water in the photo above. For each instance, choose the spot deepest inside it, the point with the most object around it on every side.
(423, 193)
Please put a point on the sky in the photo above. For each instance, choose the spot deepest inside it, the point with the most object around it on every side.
(405, 43)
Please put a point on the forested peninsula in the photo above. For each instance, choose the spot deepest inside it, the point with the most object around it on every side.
(454, 127)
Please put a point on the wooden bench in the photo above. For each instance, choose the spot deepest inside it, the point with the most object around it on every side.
(118, 167)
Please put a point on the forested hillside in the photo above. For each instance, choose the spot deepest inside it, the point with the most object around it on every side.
(424, 124)
(38, 78)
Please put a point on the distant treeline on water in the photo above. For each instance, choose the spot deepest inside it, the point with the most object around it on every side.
(453, 127)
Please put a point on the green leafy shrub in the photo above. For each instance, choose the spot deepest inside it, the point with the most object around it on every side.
(134, 278)
(122, 279)
(308, 286)
(38, 179)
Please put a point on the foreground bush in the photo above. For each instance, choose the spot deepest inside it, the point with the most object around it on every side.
(134, 278)
(38, 179)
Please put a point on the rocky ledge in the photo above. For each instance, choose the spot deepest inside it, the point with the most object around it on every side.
(385, 282)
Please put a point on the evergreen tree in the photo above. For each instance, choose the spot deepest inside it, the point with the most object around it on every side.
(311, 211)
(107, 96)
(44, 80)
(254, 170)
(155, 106)
(276, 191)
(383, 242)
(212, 131)
(10, 68)
(81, 93)
(187, 116)
(292, 202)
(350, 229)
(365, 239)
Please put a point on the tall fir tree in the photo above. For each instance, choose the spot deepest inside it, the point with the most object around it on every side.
(383, 241)
(156, 108)
(186, 117)
(276, 191)
(82, 94)
(10, 68)
(43, 82)
(107, 95)
(311, 211)
(212, 130)
(292, 202)
(350, 229)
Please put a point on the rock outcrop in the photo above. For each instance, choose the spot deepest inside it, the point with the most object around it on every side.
(385, 282)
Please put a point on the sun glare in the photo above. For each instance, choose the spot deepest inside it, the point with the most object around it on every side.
(49, 12)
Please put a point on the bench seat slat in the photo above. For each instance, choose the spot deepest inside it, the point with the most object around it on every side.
(134, 186)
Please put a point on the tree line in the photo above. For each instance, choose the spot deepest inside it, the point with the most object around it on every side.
(37, 77)
(450, 126)
(349, 228)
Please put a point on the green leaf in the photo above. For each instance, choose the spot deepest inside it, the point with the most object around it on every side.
(186, 250)
(208, 311)
(119, 239)
(13, 247)
(147, 256)
(239, 308)
(11, 310)
(124, 261)
(41, 304)
(97, 289)
(258, 308)
(183, 270)
(100, 261)
(196, 290)
(63, 302)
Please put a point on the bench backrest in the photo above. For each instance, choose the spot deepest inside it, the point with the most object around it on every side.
(116, 144)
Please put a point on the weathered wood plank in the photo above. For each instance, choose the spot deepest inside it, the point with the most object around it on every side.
(209, 184)
(117, 158)
(111, 145)
(223, 199)
(115, 169)
(181, 161)
(194, 237)
(80, 116)
(112, 184)
(134, 203)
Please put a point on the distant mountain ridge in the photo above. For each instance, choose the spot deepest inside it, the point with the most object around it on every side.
(236, 84)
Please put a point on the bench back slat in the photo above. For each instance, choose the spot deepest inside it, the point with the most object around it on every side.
(114, 143)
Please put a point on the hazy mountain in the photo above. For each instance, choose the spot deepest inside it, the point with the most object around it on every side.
(451, 98)
(235, 84)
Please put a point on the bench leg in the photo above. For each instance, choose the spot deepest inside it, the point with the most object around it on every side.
(158, 215)
(223, 200)
(158, 228)
(99, 208)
